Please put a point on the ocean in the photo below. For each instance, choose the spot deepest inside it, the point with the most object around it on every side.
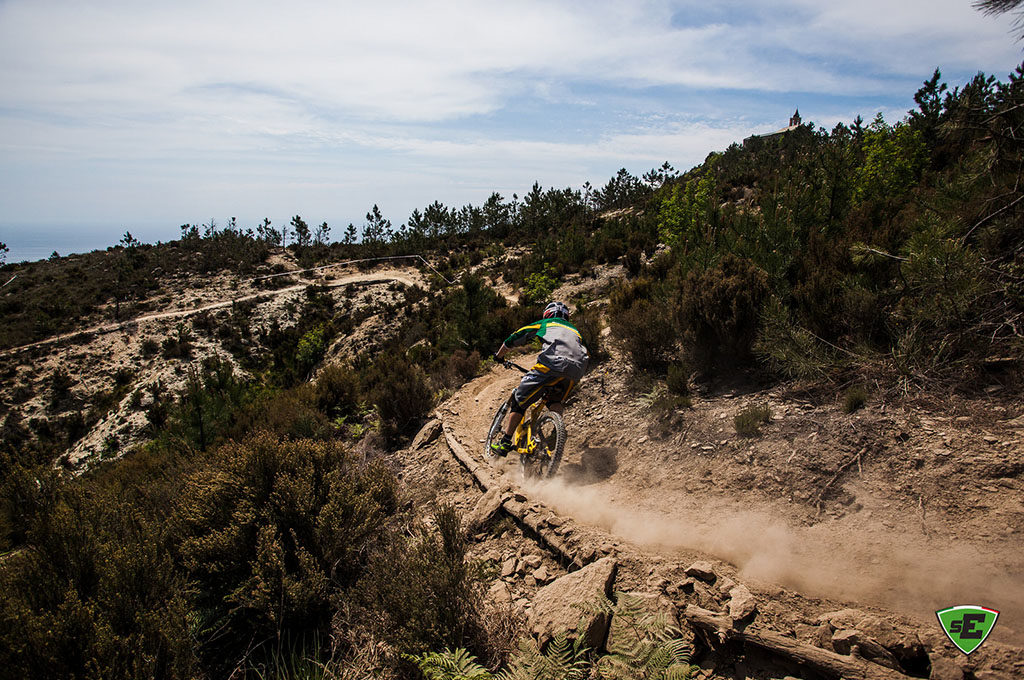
(27, 243)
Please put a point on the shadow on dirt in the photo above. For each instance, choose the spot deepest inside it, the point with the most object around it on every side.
(596, 464)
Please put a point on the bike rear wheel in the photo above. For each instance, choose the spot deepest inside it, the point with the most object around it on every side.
(547, 455)
(494, 433)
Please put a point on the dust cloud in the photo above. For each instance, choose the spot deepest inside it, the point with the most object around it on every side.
(836, 560)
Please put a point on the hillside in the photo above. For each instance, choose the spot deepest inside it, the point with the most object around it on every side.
(800, 435)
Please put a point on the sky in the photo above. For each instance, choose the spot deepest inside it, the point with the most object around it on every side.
(141, 116)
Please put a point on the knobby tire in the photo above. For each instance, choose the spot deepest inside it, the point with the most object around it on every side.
(551, 437)
(495, 430)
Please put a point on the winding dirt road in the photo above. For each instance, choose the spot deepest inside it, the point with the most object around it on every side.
(408, 277)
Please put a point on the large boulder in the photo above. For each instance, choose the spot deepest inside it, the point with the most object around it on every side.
(557, 606)
(427, 434)
(703, 570)
(487, 507)
(741, 604)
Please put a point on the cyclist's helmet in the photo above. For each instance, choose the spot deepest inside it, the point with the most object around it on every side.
(556, 310)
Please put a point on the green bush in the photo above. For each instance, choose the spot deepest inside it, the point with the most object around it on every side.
(638, 318)
(400, 392)
(749, 420)
(273, 530)
(310, 350)
(60, 388)
(95, 594)
(678, 379)
(786, 349)
(337, 391)
(539, 285)
(179, 346)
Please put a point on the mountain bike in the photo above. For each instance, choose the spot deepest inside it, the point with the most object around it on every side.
(539, 439)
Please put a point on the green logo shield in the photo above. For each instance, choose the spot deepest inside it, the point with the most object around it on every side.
(967, 625)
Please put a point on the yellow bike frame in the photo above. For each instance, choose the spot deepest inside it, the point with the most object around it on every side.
(525, 429)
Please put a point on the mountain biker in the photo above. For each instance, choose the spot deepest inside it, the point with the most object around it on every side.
(559, 367)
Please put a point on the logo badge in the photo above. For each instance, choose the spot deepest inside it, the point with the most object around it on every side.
(967, 625)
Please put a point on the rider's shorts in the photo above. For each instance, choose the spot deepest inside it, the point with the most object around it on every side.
(543, 381)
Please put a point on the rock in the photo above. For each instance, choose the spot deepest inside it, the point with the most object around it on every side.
(499, 593)
(807, 633)
(905, 646)
(427, 434)
(533, 561)
(725, 584)
(944, 669)
(542, 576)
(487, 507)
(741, 604)
(842, 618)
(556, 605)
(845, 641)
(706, 596)
(508, 567)
(702, 570)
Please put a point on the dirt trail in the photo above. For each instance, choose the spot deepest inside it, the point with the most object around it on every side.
(409, 277)
(855, 560)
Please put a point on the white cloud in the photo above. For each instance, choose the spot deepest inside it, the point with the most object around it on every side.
(332, 92)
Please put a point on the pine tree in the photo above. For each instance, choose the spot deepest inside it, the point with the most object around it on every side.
(302, 234)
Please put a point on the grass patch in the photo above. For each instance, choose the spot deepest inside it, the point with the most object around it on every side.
(748, 421)
(854, 399)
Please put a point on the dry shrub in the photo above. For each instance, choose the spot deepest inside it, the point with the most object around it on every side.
(425, 594)
(457, 368)
(401, 393)
(749, 420)
(677, 379)
(638, 318)
(719, 310)
(588, 322)
(336, 391)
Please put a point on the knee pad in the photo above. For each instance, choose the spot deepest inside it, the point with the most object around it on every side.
(516, 408)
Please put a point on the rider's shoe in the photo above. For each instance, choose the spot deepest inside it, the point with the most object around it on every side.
(501, 447)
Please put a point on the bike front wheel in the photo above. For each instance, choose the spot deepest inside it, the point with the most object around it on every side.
(494, 433)
(550, 443)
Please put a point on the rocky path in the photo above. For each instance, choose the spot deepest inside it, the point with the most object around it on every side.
(610, 501)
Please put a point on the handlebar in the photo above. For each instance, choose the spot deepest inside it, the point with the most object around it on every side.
(510, 364)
